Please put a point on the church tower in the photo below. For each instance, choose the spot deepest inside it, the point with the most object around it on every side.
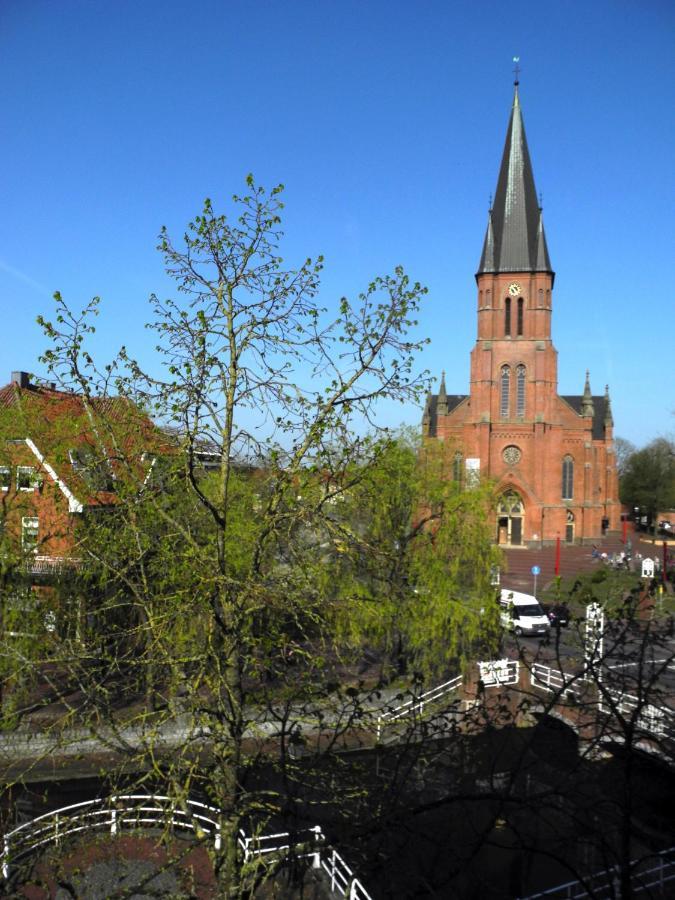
(551, 456)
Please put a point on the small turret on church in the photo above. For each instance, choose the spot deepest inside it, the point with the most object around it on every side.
(442, 403)
(587, 409)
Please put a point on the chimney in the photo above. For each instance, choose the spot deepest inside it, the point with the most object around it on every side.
(21, 378)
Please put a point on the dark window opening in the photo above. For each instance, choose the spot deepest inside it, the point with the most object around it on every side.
(568, 478)
(520, 316)
(507, 317)
(520, 391)
(506, 386)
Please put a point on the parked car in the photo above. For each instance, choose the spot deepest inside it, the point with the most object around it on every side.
(666, 527)
(559, 615)
(522, 614)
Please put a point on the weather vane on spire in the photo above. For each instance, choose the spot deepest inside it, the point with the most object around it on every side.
(516, 69)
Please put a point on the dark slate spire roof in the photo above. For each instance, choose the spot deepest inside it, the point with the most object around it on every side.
(515, 239)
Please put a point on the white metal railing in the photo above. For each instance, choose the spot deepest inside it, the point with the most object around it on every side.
(305, 843)
(112, 813)
(656, 720)
(499, 672)
(135, 810)
(554, 680)
(342, 878)
(649, 874)
(415, 706)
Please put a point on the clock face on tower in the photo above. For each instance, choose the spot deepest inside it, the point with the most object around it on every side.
(514, 289)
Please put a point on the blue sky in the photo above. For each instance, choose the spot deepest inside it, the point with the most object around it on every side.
(385, 120)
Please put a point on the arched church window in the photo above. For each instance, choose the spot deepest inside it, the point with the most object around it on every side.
(520, 317)
(541, 297)
(505, 390)
(507, 317)
(567, 478)
(520, 391)
(457, 465)
(510, 504)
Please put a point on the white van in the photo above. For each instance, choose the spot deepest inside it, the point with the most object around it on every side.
(522, 614)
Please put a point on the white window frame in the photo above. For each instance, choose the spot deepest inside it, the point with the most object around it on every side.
(5, 470)
(33, 478)
(30, 524)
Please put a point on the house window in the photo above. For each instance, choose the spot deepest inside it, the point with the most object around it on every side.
(457, 464)
(520, 391)
(29, 534)
(567, 478)
(26, 478)
(520, 317)
(5, 478)
(506, 386)
(507, 317)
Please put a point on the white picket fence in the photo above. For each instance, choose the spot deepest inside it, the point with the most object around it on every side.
(133, 811)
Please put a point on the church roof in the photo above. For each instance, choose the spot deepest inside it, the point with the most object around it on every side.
(600, 401)
(515, 239)
(431, 409)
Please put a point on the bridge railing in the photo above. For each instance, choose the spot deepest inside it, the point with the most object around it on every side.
(555, 680)
(112, 814)
(415, 706)
(133, 811)
(655, 720)
(651, 874)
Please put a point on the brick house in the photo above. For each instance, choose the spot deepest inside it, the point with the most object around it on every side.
(53, 470)
(550, 455)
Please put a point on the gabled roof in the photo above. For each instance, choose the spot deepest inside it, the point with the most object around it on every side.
(515, 239)
(431, 408)
(60, 430)
(576, 401)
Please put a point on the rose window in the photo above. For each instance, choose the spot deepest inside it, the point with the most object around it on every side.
(511, 455)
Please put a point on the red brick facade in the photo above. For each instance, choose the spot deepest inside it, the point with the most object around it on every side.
(551, 457)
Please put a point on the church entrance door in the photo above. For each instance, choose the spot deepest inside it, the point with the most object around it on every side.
(510, 512)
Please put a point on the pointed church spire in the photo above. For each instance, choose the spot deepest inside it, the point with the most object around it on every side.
(609, 419)
(442, 404)
(587, 408)
(515, 239)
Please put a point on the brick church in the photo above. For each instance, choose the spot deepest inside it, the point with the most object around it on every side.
(550, 455)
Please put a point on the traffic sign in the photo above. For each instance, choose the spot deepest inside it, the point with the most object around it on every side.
(536, 570)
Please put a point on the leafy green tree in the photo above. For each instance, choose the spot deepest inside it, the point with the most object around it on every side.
(205, 595)
(420, 585)
(648, 480)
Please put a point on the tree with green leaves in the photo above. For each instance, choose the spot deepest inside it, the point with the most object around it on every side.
(214, 640)
(648, 479)
(420, 584)
(259, 378)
